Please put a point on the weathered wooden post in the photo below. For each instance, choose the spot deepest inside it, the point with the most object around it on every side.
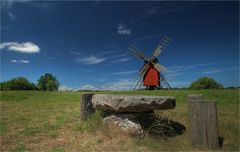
(86, 107)
(203, 121)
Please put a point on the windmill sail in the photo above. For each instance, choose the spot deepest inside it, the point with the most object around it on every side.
(159, 67)
(162, 45)
(136, 52)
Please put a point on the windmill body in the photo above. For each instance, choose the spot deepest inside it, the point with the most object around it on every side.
(152, 77)
(151, 72)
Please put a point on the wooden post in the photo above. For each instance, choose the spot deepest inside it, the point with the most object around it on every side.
(86, 107)
(203, 121)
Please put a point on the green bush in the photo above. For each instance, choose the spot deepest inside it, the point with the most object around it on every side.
(205, 83)
(18, 83)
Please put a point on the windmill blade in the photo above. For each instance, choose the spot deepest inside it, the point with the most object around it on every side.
(159, 67)
(143, 69)
(162, 45)
(136, 52)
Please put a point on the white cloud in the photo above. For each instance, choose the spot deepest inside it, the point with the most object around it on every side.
(88, 87)
(91, 60)
(24, 61)
(25, 47)
(64, 88)
(118, 85)
(124, 72)
(123, 30)
(122, 84)
(20, 61)
(13, 61)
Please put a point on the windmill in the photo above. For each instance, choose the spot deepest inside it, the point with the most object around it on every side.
(150, 74)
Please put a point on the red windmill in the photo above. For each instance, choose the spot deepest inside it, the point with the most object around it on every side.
(151, 70)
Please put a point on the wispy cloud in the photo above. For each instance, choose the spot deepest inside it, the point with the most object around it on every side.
(20, 61)
(111, 56)
(125, 72)
(51, 57)
(106, 53)
(121, 84)
(10, 3)
(25, 47)
(88, 87)
(212, 71)
(7, 5)
(91, 60)
(122, 29)
(145, 38)
(219, 70)
(76, 53)
(164, 9)
(83, 70)
(12, 16)
(117, 56)
(102, 80)
(175, 71)
(122, 60)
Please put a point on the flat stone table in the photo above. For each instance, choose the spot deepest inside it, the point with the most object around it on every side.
(125, 111)
(131, 103)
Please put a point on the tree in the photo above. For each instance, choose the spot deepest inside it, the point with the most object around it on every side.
(51, 85)
(205, 83)
(48, 82)
(18, 83)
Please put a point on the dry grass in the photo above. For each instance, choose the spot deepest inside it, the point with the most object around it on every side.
(49, 121)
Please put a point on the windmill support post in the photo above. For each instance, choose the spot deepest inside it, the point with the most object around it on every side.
(203, 122)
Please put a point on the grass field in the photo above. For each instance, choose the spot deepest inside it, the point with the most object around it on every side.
(49, 121)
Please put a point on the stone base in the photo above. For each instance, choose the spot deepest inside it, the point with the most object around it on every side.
(127, 125)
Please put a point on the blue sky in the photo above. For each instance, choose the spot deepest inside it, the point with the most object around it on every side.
(84, 44)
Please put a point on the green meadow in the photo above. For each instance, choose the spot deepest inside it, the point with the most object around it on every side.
(49, 121)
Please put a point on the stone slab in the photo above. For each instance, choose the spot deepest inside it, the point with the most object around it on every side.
(132, 103)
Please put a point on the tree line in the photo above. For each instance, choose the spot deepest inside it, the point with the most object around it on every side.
(49, 82)
(46, 82)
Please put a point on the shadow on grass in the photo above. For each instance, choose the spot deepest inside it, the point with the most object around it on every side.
(160, 127)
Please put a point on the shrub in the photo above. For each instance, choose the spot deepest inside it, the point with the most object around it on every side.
(205, 83)
(18, 83)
